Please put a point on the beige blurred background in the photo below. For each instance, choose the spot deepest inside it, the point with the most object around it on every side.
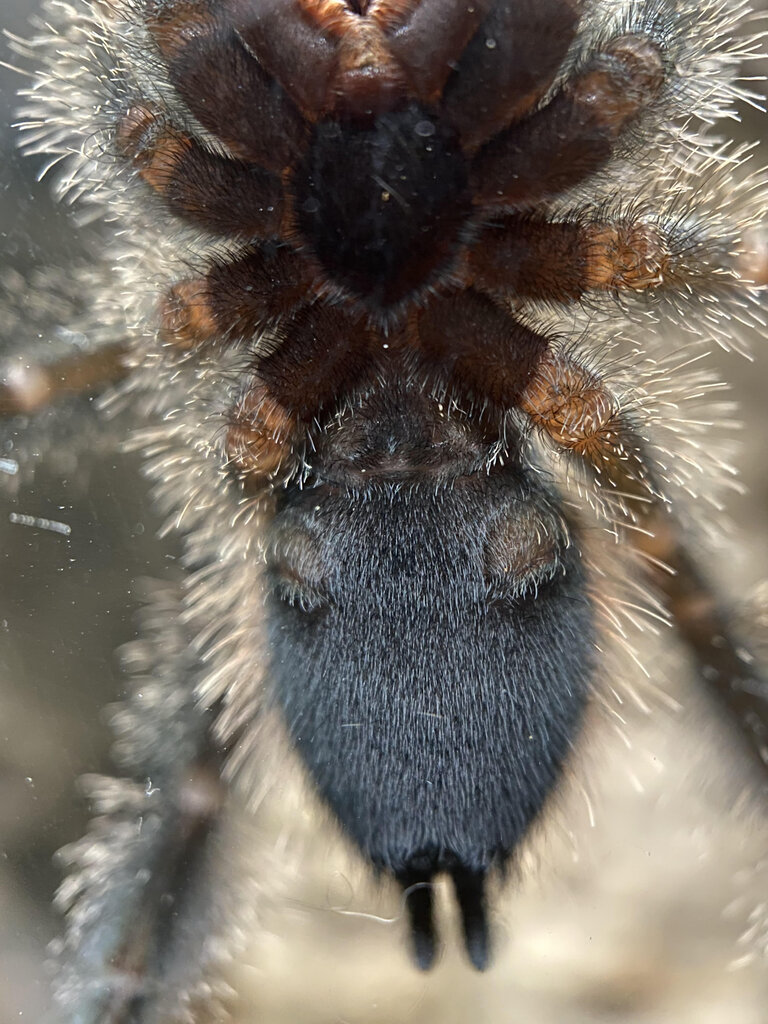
(656, 914)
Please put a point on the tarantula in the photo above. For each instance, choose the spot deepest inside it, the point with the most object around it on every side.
(351, 233)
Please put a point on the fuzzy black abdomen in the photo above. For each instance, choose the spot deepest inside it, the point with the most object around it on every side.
(432, 706)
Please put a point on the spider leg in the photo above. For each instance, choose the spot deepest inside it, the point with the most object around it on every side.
(561, 261)
(477, 348)
(577, 411)
(575, 135)
(249, 111)
(129, 957)
(486, 75)
(26, 387)
(140, 922)
(217, 193)
(727, 666)
(236, 299)
(296, 372)
(572, 406)
(508, 66)
(679, 252)
(487, 356)
(320, 353)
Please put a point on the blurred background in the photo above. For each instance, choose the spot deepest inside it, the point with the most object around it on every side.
(66, 592)
(656, 914)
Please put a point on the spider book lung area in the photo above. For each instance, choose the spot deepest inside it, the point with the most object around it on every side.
(649, 958)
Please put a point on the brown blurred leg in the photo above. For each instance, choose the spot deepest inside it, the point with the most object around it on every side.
(27, 387)
(561, 261)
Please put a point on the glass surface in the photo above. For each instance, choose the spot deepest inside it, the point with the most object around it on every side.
(76, 533)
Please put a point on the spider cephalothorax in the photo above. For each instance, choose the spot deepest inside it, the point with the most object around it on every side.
(391, 195)
(357, 233)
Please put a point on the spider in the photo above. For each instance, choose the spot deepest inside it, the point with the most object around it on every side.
(387, 292)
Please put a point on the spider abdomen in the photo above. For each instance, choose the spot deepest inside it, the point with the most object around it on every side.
(418, 635)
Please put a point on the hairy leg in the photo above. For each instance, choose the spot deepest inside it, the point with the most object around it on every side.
(236, 299)
(508, 66)
(564, 260)
(143, 928)
(248, 110)
(319, 354)
(576, 134)
(222, 195)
